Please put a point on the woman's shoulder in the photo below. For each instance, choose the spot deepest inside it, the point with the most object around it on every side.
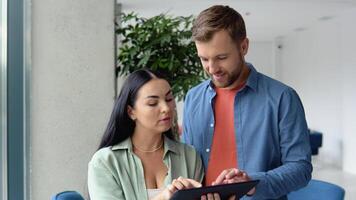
(111, 153)
(102, 156)
(188, 148)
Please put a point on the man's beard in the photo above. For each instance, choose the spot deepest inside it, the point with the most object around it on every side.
(231, 77)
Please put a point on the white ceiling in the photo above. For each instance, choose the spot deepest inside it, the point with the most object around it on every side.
(265, 19)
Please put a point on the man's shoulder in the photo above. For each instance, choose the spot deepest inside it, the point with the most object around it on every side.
(267, 83)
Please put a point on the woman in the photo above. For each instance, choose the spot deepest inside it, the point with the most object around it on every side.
(139, 156)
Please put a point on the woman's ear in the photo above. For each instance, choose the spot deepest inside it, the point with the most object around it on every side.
(131, 113)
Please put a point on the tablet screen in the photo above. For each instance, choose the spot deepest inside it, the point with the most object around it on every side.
(225, 190)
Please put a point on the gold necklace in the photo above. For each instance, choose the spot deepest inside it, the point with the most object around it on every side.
(149, 151)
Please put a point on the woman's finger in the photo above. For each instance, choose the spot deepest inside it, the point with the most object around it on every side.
(178, 185)
(189, 183)
(185, 183)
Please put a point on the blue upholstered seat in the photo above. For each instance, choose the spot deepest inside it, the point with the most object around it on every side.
(316, 141)
(67, 195)
(317, 190)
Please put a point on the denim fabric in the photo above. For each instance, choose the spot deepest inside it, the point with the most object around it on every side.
(271, 133)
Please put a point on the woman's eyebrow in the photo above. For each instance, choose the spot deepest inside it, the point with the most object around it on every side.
(169, 92)
(152, 96)
(156, 97)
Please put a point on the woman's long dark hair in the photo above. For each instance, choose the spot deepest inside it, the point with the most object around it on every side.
(120, 125)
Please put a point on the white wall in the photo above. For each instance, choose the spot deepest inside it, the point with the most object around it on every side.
(320, 64)
(72, 90)
(348, 64)
(261, 55)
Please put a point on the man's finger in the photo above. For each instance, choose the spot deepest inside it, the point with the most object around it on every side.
(216, 196)
(252, 191)
(210, 196)
(221, 177)
(232, 197)
(245, 176)
(233, 173)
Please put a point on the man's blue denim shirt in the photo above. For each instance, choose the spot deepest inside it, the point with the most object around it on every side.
(270, 131)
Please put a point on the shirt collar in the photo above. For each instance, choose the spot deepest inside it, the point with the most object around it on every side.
(251, 80)
(169, 145)
(126, 144)
(252, 77)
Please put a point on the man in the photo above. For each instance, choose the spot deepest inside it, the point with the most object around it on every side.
(244, 124)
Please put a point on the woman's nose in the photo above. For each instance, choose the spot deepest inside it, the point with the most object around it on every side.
(165, 107)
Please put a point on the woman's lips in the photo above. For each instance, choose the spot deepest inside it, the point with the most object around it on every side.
(165, 119)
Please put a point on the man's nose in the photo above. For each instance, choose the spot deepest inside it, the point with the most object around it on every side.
(212, 67)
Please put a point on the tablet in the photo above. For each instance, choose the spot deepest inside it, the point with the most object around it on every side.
(225, 190)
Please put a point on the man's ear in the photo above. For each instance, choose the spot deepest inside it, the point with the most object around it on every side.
(131, 113)
(244, 46)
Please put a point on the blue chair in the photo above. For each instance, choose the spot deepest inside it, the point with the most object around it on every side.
(316, 141)
(67, 195)
(316, 190)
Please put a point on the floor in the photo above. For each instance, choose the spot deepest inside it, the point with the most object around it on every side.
(335, 175)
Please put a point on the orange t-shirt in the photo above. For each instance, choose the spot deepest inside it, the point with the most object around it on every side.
(223, 151)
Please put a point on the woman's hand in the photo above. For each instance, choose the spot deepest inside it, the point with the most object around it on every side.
(177, 184)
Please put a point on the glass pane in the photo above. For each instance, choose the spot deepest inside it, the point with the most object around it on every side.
(3, 98)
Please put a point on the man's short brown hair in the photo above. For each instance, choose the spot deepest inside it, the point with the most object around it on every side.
(217, 18)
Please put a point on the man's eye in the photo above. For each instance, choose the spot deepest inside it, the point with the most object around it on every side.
(152, 104)
(170, 99)
(222, 58)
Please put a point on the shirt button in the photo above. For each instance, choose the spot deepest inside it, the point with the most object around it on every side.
(207, 150)
(211, 125)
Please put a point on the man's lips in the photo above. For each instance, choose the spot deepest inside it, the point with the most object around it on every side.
(218, 77)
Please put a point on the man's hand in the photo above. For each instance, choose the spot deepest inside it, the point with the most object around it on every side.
(233, 176)
(214, 196)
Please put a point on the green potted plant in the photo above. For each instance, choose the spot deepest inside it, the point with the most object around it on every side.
(162, 43)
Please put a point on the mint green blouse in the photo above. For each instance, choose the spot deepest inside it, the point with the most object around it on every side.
(116, 173)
